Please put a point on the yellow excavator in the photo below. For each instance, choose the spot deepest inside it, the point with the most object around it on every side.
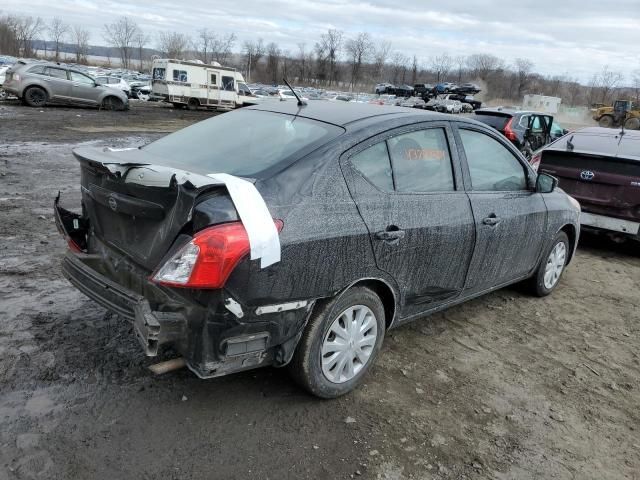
(623, 112)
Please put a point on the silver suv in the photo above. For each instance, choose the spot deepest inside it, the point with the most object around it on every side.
(40, 83)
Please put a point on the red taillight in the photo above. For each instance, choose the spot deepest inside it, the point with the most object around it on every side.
(508, 132)
(208, 259)
(73, 246)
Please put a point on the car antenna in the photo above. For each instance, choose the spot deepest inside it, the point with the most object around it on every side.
(570, 145)
(300, 101)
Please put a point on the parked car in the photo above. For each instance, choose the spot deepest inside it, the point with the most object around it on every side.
(467, 107)
(357, 219)
(3, 72)
(403, 91)
(444, 87)
(114, 82)
(422, 89)
(600, 168)
(528, 131)
(449, 106)
(413, 102)
(383, 88)
(41, 83)
(467, 89)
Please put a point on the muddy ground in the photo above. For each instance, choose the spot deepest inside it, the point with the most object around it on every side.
(504, 387)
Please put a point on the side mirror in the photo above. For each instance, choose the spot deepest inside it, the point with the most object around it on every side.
(546, 183)
(564, 131)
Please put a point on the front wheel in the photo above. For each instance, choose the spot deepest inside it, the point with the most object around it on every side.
(606, 121)
(632, 124)
(112, 103)
(339, 344)
(547, 277)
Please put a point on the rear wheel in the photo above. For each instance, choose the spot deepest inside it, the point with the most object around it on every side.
(632, 124)
(547, 277)
(339, 344)
(35, 97)
(606, 121)
(112, 103)
(193, 104)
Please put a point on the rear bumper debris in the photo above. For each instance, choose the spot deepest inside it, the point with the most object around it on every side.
(609, 223)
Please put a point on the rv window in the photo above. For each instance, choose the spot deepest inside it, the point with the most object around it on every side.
(214, 80)
(158, 73)
(227, 83)
(180, 76)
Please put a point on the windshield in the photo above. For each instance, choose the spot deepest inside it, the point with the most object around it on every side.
(243, 143)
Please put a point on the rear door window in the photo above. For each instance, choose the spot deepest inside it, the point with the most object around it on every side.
(56, 72)
(491, 165)
(421, 161)
(375, 165)
(38, 69)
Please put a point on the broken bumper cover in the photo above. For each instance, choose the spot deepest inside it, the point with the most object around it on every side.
(152, 328)
(213, 340)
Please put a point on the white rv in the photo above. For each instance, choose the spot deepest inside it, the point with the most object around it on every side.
(199, 85)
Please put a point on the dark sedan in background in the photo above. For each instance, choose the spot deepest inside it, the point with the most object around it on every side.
(381, 215)
(600, 167)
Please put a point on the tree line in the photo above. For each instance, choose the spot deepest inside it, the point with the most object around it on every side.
(334, 61)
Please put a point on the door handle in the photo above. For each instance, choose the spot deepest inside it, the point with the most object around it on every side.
(390, 235)
(491, 220)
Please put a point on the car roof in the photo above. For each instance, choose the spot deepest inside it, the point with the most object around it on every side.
(343, 114)
(508, 111)
(601, 141)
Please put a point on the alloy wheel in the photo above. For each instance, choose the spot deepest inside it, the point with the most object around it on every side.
(349, 343)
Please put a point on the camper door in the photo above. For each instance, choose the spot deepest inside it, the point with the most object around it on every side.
(213, 87)
(228, 92)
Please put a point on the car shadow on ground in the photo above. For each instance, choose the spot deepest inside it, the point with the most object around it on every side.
(605, 247)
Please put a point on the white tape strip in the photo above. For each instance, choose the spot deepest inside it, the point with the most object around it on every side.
(254, 214)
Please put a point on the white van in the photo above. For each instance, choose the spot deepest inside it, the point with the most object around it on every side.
(199, 85)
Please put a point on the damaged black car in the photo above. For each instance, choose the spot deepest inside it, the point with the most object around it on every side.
(298, 235)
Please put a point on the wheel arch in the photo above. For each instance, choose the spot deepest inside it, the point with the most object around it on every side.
(38, 85)
(572, 234)
(385, 292)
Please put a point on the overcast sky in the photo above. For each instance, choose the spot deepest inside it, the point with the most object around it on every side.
(561, 37)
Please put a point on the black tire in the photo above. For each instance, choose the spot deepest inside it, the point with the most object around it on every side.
(632, 124)
(35, 97)
(537, 282)
(193, 104)
(606, 121)
(306, 365)
(112, 103)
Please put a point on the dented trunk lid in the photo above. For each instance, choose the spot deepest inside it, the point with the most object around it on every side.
(137, 207)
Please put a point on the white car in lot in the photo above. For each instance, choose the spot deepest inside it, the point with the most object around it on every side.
(114, 82)
(3, 71)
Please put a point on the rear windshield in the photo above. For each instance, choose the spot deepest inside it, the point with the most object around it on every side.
(496, 121)
(244, 143)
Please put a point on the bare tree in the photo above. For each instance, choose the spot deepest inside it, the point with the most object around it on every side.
(414, 70)
(221, 46)
(460, 61)
(635, 85)
(173, 44)
(331, 43)
(202, 46)
(81, 43)
(380, 57)
(58, 30)
(483, 65)
(358, 50)
(120, 35)
(302, 60)
(399, 63)
(273, 59)
(253, 53)
(441, 65)
(606, 81)
(26, 29)
(523, 69)
(8, 35)
(140, 41)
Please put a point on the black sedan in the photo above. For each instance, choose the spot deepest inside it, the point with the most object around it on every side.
(299, 235)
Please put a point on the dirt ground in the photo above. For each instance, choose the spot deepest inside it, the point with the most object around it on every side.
(504, 387)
